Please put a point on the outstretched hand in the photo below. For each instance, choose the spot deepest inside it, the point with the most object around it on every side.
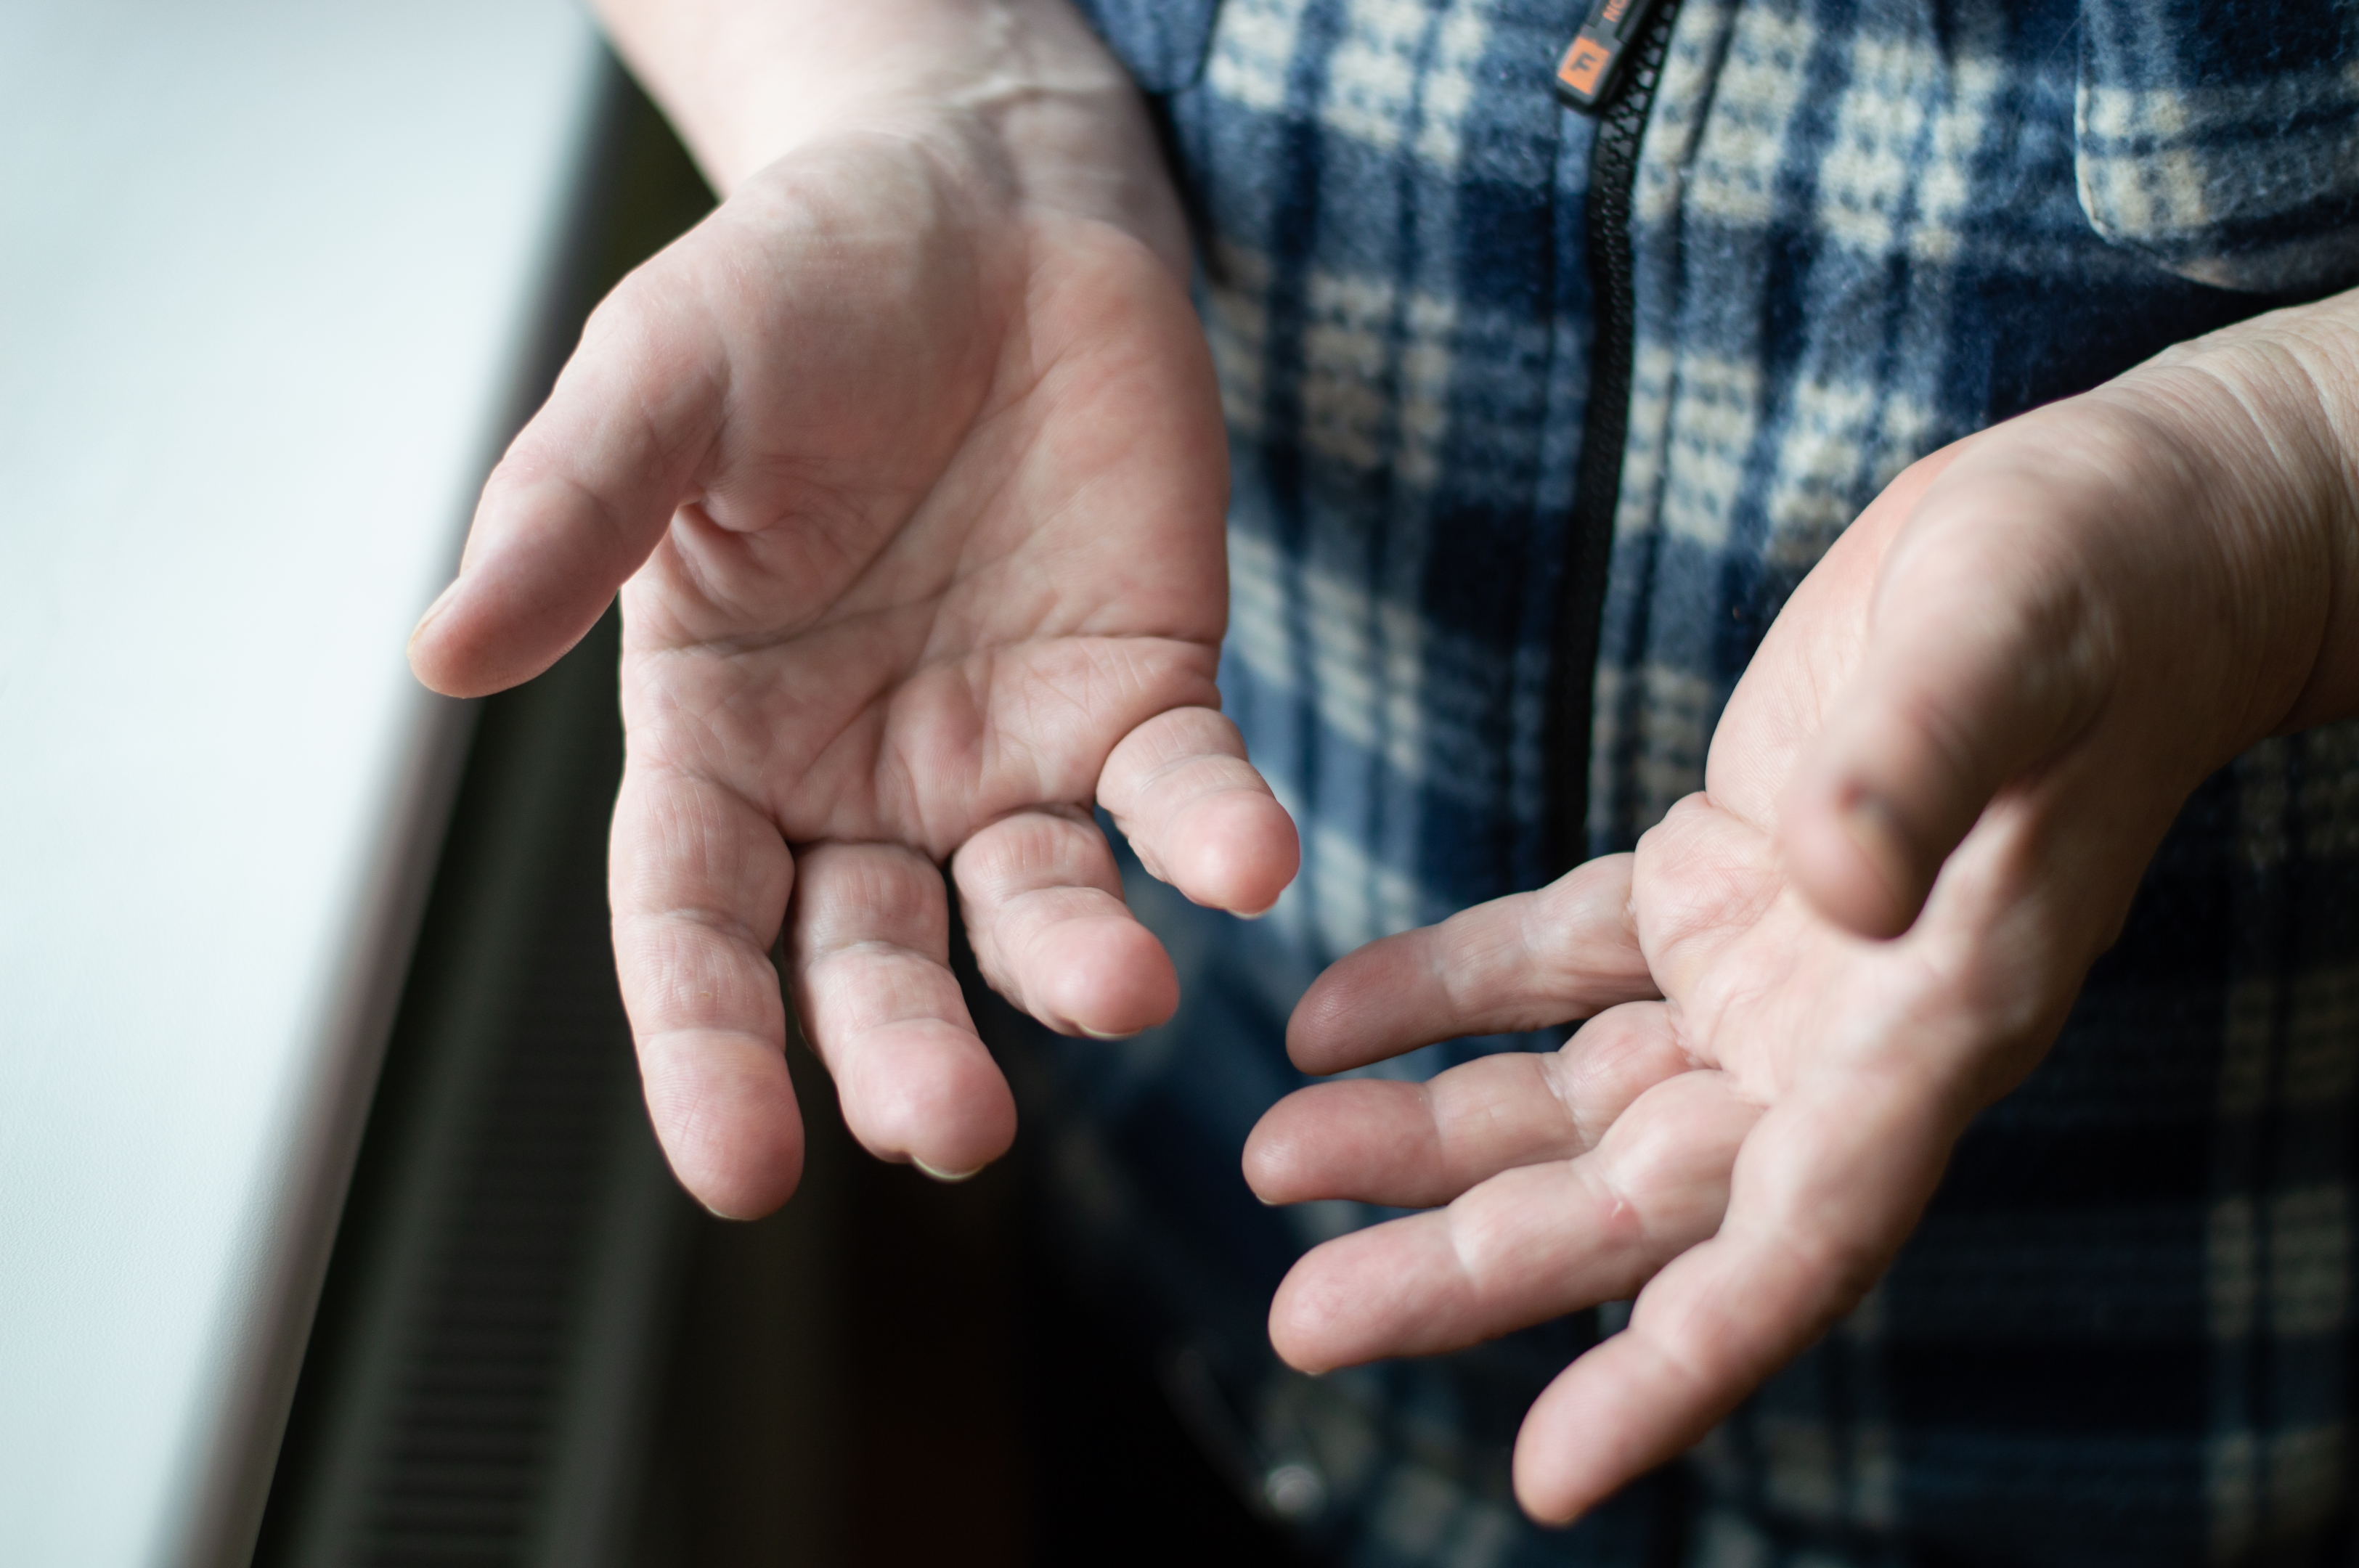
(918, 487)
(1925, 813)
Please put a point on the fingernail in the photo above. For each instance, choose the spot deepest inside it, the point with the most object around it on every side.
(1101, 1034)
(1870, 823)
(947, 1178)
(1876, 831)
(441, 600)
(1254, 914)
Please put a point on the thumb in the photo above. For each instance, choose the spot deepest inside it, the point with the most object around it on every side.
(1985, 655)
(584, 492)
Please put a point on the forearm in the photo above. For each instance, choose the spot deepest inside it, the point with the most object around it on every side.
(1019, 93)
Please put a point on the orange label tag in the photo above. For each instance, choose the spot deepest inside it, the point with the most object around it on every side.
(1582, 64)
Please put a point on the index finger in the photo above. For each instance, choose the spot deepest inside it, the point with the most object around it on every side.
(1569, 951)
(1418, 1145)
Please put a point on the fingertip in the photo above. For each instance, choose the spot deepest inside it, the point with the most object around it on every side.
(954, 1149)
(1315, 1030)
(1703, 1332)
(1350, 1300)
(1105, 977)
(1563, 1463)
(1329, 1028)
(417, 634)
(1236, 851)
(930, 1094)
(1541, 1493)
(438, 660)
(504, 619)
(1290, 1334)
(1274, 1156)
(724, 1113)
(743, 1192)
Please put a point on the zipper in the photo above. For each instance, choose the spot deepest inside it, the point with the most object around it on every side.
(1634, 35)
(1593, 64)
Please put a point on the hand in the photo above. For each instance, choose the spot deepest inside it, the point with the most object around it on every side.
(1926, 811)
(913, 463)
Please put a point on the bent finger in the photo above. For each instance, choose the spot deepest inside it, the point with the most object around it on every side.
(868, 952)
(1526, 1245)
(1417, 1145)
(1197, 814)
(699, 880)
(584, 492)
(1570, 950)
(1042, 900)
(1984, 656)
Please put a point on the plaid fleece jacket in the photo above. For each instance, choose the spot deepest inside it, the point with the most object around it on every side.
(1862, 229)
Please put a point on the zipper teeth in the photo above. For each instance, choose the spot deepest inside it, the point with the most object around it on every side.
(1612, 172)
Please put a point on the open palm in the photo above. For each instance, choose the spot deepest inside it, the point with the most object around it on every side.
(1925, 810)
(919, 498)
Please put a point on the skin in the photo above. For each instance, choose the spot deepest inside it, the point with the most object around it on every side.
(1926, 811)
(909, 466)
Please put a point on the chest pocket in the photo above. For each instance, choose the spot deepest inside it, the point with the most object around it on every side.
(1162, 41)
(2221, 141)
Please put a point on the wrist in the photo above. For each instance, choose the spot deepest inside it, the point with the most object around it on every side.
(1016, 98)
(2265, 415)
(2308, 357)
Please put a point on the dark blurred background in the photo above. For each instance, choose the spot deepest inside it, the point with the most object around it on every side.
(533, 1349)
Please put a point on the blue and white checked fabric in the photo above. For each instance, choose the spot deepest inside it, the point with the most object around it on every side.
(2220, 140)
(1864, 229)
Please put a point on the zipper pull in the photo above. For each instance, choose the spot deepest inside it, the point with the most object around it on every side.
(1593, 62)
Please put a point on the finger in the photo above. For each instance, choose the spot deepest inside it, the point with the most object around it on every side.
(698, 879)
(1822, 1194)
(1416, 1145)
(584, 493)
(1525, 1246)
(1042, 900)
(868, 950)
(1983, 657)
(1568, 951)
(1196, 814)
